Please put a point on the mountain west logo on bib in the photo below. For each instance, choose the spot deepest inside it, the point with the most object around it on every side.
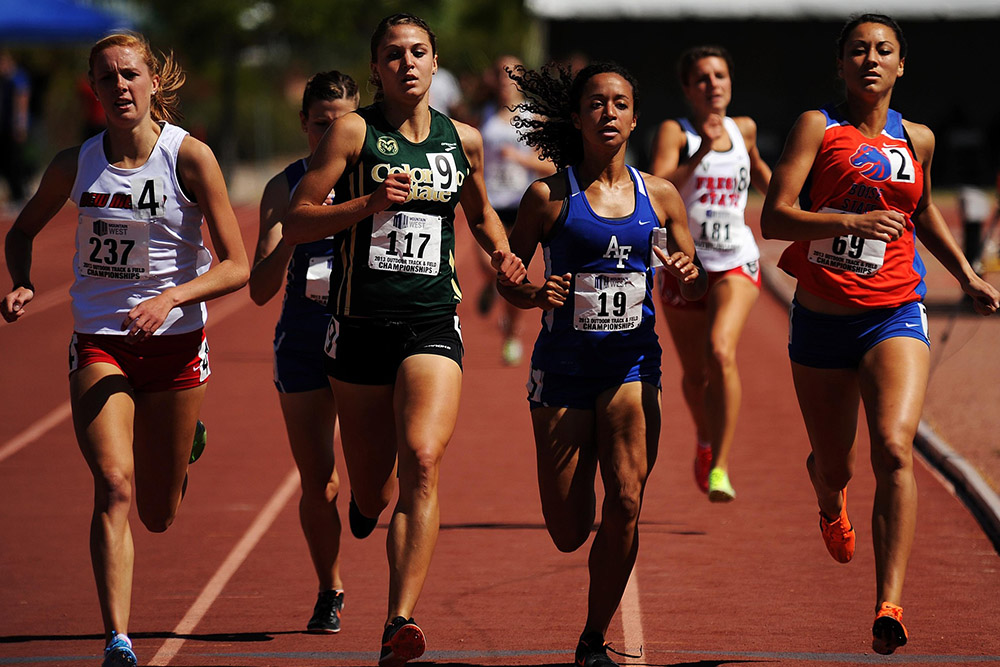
(387, 146)
(100, 228)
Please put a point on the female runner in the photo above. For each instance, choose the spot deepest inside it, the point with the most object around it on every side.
(138, 357)
(398, 168)
(858, 327)
(713, 160)
(306, 398)
(594, 387)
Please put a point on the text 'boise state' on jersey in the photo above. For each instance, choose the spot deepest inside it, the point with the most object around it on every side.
(401, 261)
(606, 325)
(853, 173)
(716, 199)
(138, 234)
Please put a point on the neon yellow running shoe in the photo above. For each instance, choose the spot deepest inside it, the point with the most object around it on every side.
(199, 442)
(719, 488)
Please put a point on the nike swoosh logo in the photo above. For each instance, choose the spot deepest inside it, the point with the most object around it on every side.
(647, 222)
(911, 324)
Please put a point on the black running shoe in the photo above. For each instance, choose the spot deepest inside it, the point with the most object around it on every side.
(592, 651)
(326, 614)
(403, 640)
(361, 526)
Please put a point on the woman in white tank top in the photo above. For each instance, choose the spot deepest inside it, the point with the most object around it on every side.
(712, 160)
(143, 189)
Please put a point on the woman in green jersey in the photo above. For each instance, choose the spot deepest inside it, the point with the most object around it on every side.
(394, 347)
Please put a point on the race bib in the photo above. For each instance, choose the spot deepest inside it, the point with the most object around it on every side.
(117, 250)
(318, 278)
(406, 242)
(720, 230)
(608, 301)
(848, 253)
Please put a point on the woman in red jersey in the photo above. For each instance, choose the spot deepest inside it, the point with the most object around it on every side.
(858, 328)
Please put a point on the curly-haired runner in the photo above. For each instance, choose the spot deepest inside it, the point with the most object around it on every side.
(594, 387)
(138, 357)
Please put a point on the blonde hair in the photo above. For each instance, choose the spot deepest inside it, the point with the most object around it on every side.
(164, 103)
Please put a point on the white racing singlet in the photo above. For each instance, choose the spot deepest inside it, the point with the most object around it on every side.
(138, 234)
(716, 199)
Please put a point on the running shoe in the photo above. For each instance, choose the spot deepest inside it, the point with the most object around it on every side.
(512, 352)
(702, 464)
(486, 298)
(719, 488)
(326, 614)
(119, 653)
(361, 526)
(592, 651)
(888, 631)
(402, 640)
(838, 535)
(199, 442)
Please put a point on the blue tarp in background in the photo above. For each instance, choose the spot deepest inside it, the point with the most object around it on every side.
(54, 21)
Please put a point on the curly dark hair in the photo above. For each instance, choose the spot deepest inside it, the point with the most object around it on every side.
(551, 96)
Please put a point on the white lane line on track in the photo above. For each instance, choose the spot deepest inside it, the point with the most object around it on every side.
(632, 615)
(228, 568)
(35, 431)
(222, 309)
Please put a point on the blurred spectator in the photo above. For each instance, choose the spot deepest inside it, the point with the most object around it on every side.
(94, 120)
(15, 94)
(974, 205)
(445, 93)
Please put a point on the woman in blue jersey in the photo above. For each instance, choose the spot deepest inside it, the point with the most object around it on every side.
(307, 401)
(398, 169)
(713, 160)
(139, 366)
(594, 388)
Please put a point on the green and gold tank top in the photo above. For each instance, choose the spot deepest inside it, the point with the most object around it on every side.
(400, 263)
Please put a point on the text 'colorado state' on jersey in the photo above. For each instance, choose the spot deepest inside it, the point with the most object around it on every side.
(400, 263)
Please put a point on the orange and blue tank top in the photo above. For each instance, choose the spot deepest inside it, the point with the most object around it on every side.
(853, 173)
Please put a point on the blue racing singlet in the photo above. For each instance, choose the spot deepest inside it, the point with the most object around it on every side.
(606, 326)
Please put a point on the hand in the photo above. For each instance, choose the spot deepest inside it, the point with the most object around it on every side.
(985, 297)
(885, 226)
(145, 318)
(12, 306)
(509, 267)
(679, 265)
(395, 189)
(711, 129)
(553, 293)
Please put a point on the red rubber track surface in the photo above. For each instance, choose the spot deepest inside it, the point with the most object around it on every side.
(748, 582)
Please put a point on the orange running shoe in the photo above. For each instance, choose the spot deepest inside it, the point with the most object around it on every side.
(888, 631)
(702, 465)
(838, 534)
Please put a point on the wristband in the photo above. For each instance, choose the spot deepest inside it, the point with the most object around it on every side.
(26, 284)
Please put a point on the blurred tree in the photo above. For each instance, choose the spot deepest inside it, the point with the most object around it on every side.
(246, 62)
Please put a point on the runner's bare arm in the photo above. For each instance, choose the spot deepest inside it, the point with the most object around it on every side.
(272, 255)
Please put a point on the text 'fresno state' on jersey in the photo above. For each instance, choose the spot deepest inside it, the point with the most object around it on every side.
(855, 174)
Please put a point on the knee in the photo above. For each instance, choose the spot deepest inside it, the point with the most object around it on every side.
(622, 505)
(156, 520)
(419, 467)
(568, 536)
(321, 489)
(113, 491)
(721, 354)
(891, 456)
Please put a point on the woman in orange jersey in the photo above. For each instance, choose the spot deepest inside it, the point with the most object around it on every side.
(858, 327)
